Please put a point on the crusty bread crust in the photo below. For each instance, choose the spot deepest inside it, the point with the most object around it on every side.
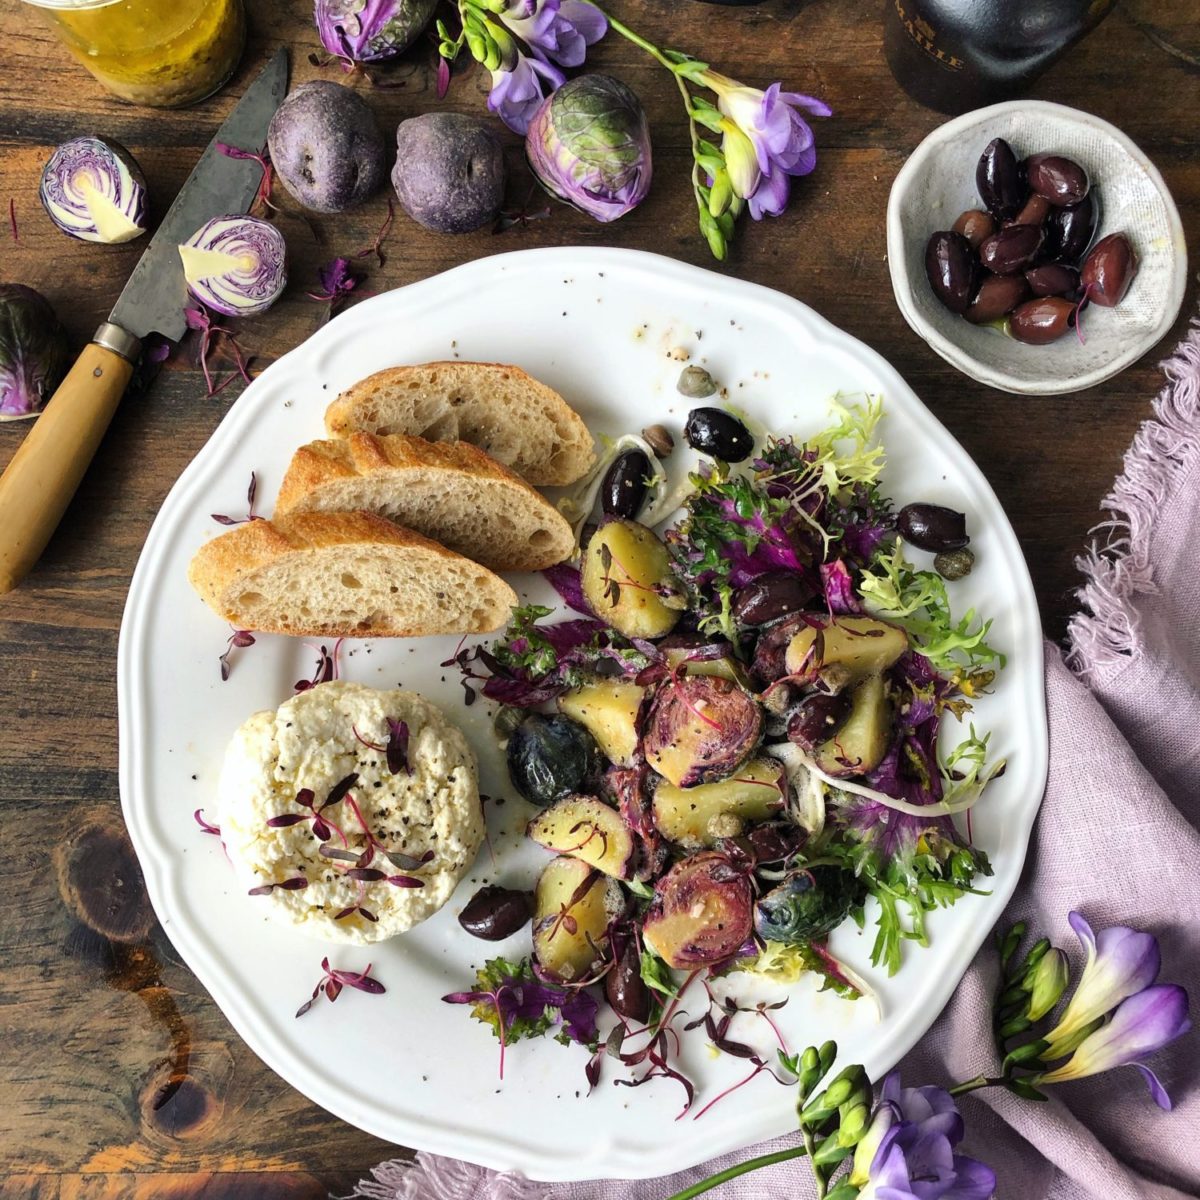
(451, 491)
(312, 546)
(521, 422)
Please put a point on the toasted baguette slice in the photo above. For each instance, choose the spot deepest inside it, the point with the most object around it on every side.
(450, 491)
(518, 421)
(345, 575)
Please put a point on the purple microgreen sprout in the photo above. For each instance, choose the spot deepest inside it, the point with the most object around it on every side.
(288, 885)
(396, 748)
(241, 638)
(205, 826)
(201, 321)
(511, 218)
(365, 913)
(322, 825)
(263, 195)
(12, 218)
(334, 980)
(443, 77)
(338, 281)
(327, 667)
(376, 247)
(251, 515)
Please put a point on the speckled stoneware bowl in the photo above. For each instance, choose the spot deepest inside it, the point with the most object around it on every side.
(938, 183)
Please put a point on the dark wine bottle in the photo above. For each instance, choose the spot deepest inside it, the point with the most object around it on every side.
(955, 55)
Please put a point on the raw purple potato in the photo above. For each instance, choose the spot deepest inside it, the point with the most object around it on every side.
(771, 596)
(998, 295)
(701, 913)
(998, 180)
(1052, 279)
(327, 146)
(1069, 230)
(1038, 322)
(951, 268)
(449, 172)
(700, 728)
(932, 527)
(1012, 249)
(495, 913)
(1109, 270)
(817, 718)
(1060, 180)
(974, 225)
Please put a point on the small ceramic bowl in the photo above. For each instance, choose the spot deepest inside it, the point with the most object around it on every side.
(937, 183)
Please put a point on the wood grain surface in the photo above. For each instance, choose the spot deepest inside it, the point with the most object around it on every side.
(118, 1075)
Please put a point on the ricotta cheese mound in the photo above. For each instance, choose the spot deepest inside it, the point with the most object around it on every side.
(315, 741)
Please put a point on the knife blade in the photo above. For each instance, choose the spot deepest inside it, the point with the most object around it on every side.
(37, 485)
(155, 296)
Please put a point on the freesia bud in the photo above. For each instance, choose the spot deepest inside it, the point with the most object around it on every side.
(1046, 983)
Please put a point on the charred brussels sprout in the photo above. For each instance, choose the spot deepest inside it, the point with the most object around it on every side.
(807, 905)
(701, 912)
(550, 757)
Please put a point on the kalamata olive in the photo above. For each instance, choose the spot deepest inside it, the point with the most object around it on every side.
(1011, 249)
(817, 718)
(1069, 230)
(771, 596)
(623, 491)
(997, 296)
(623, 986)
(695, 383)
(495, 913)
(932, 527)
(1046, 319)
(974, 225)
(1034, 211)
(954, 564)
(998, 180)
(1060, 180)
(950, 266)
(1108, 270)
(716, 432)
(1052, 279)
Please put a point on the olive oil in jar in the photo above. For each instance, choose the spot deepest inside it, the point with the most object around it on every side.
(163, 53)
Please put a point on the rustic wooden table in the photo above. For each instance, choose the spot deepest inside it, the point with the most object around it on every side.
(118, 1075)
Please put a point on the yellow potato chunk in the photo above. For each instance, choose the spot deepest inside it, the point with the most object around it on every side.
(622, 565)
(690, 816)
(608, 711)
(860, 645)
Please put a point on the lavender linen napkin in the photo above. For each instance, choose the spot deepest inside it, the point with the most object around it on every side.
(1118, 838)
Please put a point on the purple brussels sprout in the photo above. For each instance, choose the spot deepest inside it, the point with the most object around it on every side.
(371, 30)
(34, 352)
(589, 144)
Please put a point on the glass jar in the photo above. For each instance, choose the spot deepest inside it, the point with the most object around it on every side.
(163, 53)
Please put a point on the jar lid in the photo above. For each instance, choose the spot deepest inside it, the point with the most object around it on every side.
(72, 4)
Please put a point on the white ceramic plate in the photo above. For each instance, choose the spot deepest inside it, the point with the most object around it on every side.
(598, 325)
(938, 182)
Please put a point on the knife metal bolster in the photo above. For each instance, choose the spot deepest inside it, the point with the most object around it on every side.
(119, 341)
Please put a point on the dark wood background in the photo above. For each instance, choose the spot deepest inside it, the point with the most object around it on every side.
(118, 1075)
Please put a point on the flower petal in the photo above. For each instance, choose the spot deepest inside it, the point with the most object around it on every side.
(770, 197)
(1157, 1091)
(587, 19)
(973, 1180)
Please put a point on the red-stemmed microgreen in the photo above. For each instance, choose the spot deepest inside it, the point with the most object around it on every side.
(376, 247)
(333, 980)
(396, 749)
(514, 218)
(338, 282)
(240, 638)
(327, 668)
(294, 884)
(323, 826)
(200, 320)
(263, 196)
(364, 872)
(206, 826)
(251, 515)
(12, 218)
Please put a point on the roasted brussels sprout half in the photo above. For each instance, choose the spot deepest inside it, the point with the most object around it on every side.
(608, 710)
(770, 651)
(700, 728)
(861, 645)
(627, 788)
(573, 908)
(807, 905)
(625, 571)
(701, 912)
(550, 757)
(692, 817)
(587, 829)
(864, 737)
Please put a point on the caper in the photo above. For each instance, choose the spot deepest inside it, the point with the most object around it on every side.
(659, 439)
(506, 720)
(954, 564)
(695, 383)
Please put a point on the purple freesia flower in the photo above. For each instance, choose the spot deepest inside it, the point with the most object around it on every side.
(908, 1153)
(518, 92)
(1142, 1025)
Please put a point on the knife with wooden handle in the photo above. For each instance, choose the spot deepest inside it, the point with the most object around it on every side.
(43, 475)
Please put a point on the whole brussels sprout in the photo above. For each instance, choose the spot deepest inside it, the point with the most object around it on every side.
(371, 30)
(809, 904)
(589, 144)
(550, 757)
(34, 352)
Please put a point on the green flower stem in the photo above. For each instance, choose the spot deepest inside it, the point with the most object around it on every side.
(809, 1147)
(974, 1085)
(751, 1164)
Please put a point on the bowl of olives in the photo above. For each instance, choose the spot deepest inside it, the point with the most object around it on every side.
(1035, 247)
